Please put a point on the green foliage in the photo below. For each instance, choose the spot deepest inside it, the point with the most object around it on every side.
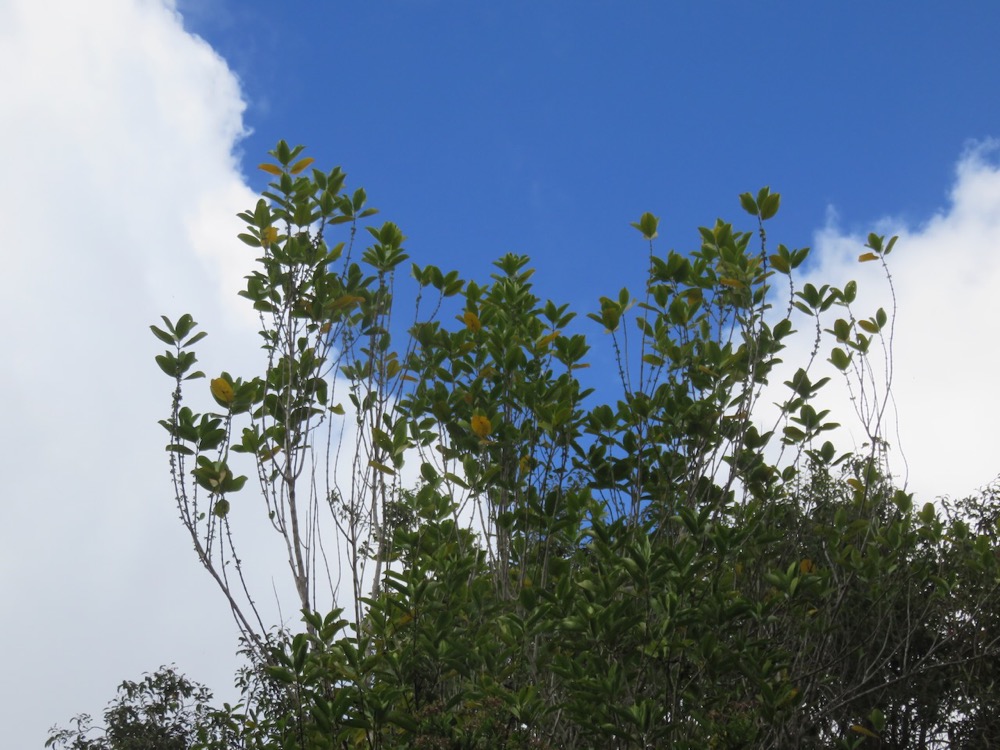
(663, 570)
(163, 711)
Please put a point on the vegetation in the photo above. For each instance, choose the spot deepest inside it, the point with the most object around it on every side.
(163, 711)
(530, 569)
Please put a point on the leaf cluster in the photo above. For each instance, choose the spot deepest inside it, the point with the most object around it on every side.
(661, 570)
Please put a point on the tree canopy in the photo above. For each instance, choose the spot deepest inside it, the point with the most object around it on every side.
(528, 568)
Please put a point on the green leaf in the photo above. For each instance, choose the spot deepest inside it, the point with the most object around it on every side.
(168, 363)
(281, 674)
(184, 326)
(850, 291)
(770, 206)
(382, 468)
(647, 224)
(403, 720)
(163, 336)
(840, 359)
(455, 479)
(868, 326)
(794, 434)
(780, 263)
(877, 718)
(428, 472)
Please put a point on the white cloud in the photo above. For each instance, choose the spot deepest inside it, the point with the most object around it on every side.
(946, 274)
(118, 195)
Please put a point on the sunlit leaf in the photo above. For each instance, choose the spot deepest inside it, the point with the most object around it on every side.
(647, 224)
(270, 169)
(346, 301)
(780, 263)
(223, 391)
(472, 321)
(481, 426)
(300, 165)
(544, 341)
(748, 203)
(770, 205)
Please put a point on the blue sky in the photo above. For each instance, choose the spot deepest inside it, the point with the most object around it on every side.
(546, 127)
(133, 129)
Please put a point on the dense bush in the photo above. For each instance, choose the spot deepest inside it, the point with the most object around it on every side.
(532, 569)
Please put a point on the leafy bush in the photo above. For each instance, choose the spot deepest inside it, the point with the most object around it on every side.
(660, 571)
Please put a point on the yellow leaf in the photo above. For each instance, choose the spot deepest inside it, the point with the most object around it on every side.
(472, 321)
(270, 169)
(222, 390)
(734, 283)
(858, 729)
(806, 566)
(301, 164)
(481, 426)
(856, 484)
(269, 236)
(525, 463)
(345, 301)
(544, 341)
(866, 257)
